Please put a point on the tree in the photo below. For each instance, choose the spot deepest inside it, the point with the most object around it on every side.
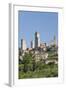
(34, 65)
(27, 59)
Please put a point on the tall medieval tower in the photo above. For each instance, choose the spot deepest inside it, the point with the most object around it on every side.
(23, 44)
(37, 40)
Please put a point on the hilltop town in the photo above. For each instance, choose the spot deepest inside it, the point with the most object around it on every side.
(38, 49)
(39, 53)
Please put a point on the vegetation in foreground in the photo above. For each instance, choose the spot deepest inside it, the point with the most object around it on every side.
(29, 68)
(39, 72)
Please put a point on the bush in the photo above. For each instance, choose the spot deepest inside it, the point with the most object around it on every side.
(21, 67)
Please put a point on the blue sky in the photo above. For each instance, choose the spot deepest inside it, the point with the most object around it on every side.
(46, 23)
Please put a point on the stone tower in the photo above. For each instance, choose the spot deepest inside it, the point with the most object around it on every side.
(23, 44)
(37, 40)
(32, 44)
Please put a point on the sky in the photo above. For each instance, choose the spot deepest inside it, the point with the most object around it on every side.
(29, 22)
